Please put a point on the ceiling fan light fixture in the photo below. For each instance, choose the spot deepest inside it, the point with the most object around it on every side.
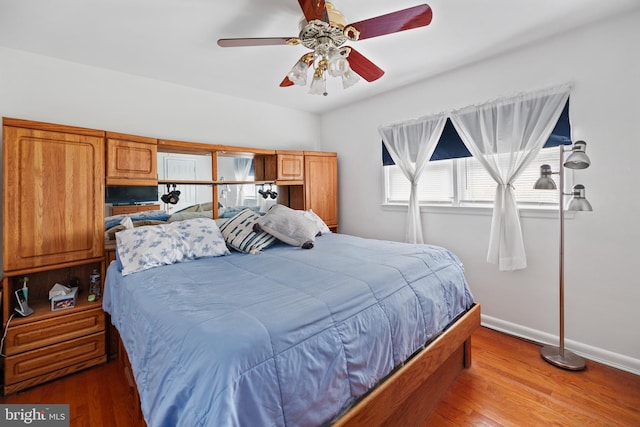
(338, 64)
(318, 85)
(349, 78)
(323, 29)
(298, 74)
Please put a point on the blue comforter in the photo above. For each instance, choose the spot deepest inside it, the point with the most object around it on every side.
(289, 337)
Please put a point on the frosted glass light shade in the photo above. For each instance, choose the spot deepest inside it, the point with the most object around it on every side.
(318, 86)
(338, 64)
(298, 74)
(349, 78)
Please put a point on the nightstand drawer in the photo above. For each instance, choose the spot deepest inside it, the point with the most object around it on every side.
(53, 358)
(41, 333)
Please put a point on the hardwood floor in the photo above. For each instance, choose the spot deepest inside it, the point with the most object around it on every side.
(97, 397)
(508, 384)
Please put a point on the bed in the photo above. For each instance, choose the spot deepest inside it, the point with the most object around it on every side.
(351, 332)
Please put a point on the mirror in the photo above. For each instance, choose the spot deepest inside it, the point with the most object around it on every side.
(186, 167)
(233, 197)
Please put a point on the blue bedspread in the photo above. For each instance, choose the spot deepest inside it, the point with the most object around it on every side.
(289, 337)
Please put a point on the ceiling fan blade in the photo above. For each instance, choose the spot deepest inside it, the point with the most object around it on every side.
(258, 41)
(362, 66)
(286, 82)
(406, 19)
(314, 9)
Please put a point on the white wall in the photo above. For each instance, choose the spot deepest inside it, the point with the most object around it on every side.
(40, 88)
(602, 284)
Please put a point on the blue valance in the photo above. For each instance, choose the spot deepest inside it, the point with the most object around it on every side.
(450, 146)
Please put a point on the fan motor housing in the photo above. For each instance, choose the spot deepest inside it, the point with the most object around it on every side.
(316, 29)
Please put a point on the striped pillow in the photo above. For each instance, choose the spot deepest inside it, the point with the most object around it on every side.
(238, 233)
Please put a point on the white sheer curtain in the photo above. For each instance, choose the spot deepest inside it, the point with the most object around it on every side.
(505, 136)
(241, 170)
(410, 145)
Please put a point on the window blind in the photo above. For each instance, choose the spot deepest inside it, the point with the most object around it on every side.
(450, 145)
(478, 186)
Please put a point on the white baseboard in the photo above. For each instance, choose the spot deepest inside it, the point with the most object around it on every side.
(596, 354)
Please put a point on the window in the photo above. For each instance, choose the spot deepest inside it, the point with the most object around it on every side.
(436, 184)
(454, 178)
(464, 182)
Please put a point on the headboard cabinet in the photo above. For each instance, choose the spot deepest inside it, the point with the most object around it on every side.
(53, 229)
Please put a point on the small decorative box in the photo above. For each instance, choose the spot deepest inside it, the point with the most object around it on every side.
(60, 302)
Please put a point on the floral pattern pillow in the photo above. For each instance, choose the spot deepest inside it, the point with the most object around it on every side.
(202, 238)
(146, 247)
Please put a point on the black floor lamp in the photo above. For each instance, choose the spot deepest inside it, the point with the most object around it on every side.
(578, 159)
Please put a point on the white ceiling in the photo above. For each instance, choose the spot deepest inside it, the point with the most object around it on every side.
(175, 40)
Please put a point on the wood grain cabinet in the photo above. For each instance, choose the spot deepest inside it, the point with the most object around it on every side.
(321, 186)
(131, 160)
(290, 165)
(53, 221)
(318, 190)
(53, 194)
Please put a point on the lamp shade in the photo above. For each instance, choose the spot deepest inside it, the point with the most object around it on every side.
(298, 74)
(338, 64)
(545, 182)
(349, 78)
(578, 159)
(578, 202)
(318, 85)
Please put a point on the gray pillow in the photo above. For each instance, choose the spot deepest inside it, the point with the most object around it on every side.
(289, 226)
(184, 215)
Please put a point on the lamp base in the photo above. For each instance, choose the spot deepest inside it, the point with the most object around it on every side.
(569, 360)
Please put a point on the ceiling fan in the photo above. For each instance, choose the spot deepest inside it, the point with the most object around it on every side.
(324, 30)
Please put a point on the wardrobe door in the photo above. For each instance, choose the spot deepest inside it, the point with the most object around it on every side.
(290, 165)
(131, 160)
(321, 186)
(53, 196)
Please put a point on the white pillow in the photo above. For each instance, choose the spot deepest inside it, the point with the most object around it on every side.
(289, 226)
(151, 246)
(238, 233)
(127, 223)
(324, 229)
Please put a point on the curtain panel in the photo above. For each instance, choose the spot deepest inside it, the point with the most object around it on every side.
(411, 144)
(241, 171)
(504, 136)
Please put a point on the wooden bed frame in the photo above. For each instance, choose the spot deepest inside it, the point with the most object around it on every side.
(409, 395)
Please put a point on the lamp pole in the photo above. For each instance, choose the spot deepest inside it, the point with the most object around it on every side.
(558, 356)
